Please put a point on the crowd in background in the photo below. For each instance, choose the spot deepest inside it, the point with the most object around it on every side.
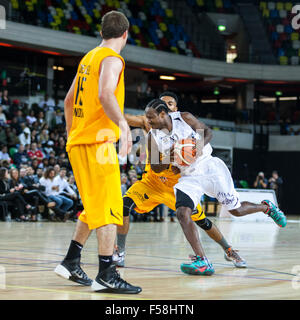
(36, 178)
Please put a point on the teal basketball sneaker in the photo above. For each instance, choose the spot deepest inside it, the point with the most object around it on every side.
(199, 266)
(275, 213)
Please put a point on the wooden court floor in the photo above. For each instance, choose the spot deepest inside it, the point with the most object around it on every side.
(30, 251)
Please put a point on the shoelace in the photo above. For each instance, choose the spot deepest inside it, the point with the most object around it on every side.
(81, 273)
(117, 277)
(233, 254)
(194, 258)
(272, 213)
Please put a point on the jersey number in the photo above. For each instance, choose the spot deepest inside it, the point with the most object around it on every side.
(78, 100)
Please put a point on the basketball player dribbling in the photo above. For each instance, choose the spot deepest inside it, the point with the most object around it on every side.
(94, 118)
(156, 188)
(207, 175)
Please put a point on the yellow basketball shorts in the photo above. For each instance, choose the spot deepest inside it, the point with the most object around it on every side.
(97, 175)
(147, 195)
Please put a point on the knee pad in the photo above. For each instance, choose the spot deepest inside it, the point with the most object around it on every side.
(128, 205)
(204, 224)
(183, 200)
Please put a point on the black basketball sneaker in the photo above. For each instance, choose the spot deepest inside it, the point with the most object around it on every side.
(110, 281)
(71, 270)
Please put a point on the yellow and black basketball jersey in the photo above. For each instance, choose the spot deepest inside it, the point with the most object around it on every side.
(90, 123)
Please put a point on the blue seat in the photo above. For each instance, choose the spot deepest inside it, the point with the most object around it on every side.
(280, 52)
(288, 29)
(274, 35)
(274, 14)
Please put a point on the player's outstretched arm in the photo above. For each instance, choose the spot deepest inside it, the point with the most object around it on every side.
(154, 156)
(111, 68)
(197, 125)
(137, 121)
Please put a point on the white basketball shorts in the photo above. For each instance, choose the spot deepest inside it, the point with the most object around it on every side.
(211, 177)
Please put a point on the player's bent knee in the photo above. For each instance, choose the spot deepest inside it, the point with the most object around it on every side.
(128, 205)
(204, 224)
(183, 213)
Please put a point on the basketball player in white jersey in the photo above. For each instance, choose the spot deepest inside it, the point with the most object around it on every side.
(207, 175)
(206, 224)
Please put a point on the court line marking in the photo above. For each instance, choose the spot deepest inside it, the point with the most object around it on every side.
(177, 271)
(217, 263)
(219, 274)
(115, 296)
(134, 254)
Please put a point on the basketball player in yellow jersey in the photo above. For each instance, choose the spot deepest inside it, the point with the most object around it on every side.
(94, 118)
(156, 188)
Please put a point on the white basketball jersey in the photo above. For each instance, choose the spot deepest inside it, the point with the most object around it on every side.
(180, 130)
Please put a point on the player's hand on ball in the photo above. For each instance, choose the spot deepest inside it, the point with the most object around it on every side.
(185, 152)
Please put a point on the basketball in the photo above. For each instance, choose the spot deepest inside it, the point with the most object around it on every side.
(185, 152)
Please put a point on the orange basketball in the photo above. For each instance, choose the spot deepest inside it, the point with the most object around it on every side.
(185, 152)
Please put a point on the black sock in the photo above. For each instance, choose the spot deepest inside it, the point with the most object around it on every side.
(74, 250)
(104, 262)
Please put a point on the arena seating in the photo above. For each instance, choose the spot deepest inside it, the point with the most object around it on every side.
(153, 24)
(285, 40)
(217, 6)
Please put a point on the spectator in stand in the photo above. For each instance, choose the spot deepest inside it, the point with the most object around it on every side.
(124, 181)
(73, 185)
(63, 184)
(52, 161)
(4, 154)
(34, 136)
(35, 164)
(6, 164)
(30, 119)
(33, 188)
(65, 190)
(20, 117)
(3, 138)
(47, 104)
(39, 173)
(56, 169)
(20, 157)
(48, 148)
(15, 125)
(133, 180)
(12, 138)
(44, 164)
(29, 196)
(40, 119)
(5, 98)
(63, 160)
(260, 182)
(1, 97)
(2, 116)
(54, 136)
(35, 153)
(16, 202)
(43, 138)
(57, 119)
(24, 137)
(275, 183)
(52, 192)
(61, 148)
